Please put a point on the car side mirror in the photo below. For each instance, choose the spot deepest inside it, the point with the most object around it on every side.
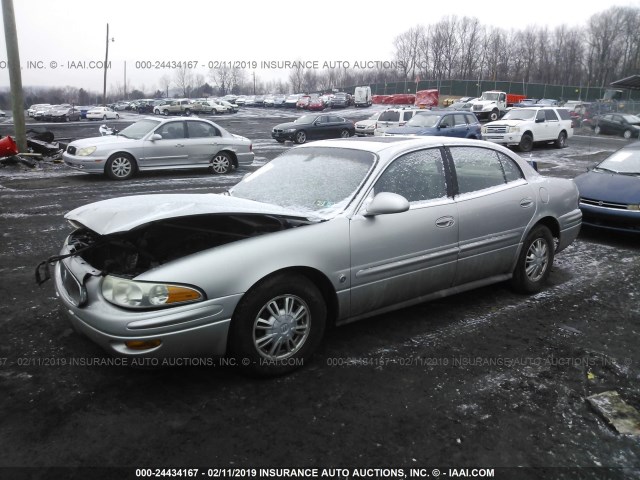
(539, 120)
(385, 203)
(155, 136)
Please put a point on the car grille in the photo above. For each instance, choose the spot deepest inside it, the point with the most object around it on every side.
(600, 203)
(71, 150)
(277, 130)
(477, 107)
(496, 129)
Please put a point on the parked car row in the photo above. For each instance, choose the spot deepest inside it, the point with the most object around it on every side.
(68, 113)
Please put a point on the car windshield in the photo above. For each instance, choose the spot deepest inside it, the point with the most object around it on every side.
(520, 115)
(306, 119)
(318, 179)
(626, 161)
(423, 121)
(139, 129)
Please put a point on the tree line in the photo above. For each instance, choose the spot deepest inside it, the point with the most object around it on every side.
(607, 48)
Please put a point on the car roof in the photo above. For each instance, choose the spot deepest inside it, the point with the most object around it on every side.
(394, 144)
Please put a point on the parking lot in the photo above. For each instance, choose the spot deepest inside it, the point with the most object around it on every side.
(485, 379)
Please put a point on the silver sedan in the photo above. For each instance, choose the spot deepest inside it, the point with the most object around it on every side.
(327, 233)
(160, 144)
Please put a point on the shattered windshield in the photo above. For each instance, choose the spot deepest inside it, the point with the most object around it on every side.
(139, 129)
(623, 161)
(318, 179)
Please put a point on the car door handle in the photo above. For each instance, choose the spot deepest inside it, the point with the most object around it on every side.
(179, 145)
(526, 202)
(444, 222)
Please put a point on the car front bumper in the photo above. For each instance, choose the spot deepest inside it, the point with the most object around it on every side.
(283, 135)
(88, 164)
(503, 139)
(198, 329)
(617, 219)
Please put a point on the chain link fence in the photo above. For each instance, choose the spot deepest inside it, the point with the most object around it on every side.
(473, 88)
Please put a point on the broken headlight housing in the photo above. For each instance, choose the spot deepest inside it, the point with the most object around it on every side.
(144, 295)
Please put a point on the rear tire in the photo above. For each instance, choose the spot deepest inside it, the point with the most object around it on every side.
(561, 141)
(221, 163)
(597, 130)
(535, 261)
(277, 325)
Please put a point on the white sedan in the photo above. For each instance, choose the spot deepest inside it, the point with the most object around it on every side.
(102, 113)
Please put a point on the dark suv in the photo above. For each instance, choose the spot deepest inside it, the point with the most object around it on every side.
(439, 122)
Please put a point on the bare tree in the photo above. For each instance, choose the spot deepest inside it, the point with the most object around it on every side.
(183, 79)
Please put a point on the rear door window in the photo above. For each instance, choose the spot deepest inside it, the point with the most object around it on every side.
(477, 168)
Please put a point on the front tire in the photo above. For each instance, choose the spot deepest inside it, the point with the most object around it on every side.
(561, 141)
(494, 115)
(277, 325)
(535, 261)
(120, 166)
(627, 134)
(221, 163)
(597, 130)
(526, 143)
(344, 133)
(300, 137)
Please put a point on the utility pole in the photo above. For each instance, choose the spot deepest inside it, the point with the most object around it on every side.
(106, 62)
(15, 75)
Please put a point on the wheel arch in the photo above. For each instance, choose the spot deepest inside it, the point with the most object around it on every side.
(319, 279)
(551, 223)
(232, 155)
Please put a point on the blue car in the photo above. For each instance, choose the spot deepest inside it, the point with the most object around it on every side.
(610, 192)
(440, 123)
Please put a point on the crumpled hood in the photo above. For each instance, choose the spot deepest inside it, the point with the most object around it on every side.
(126, 213)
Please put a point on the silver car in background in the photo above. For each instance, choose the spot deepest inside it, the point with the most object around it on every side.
(327, 233)
(160, 144)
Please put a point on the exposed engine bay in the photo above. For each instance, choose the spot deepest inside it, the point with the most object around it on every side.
(134, 252)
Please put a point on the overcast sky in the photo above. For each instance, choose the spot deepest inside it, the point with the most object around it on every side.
(55, 33)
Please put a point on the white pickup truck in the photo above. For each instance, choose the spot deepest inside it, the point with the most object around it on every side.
(523, 127)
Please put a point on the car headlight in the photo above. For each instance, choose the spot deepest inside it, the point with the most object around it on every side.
(132, 294)
(484, 129)
(83, 152)
(290, 130)
(633, 207)
(514, 129)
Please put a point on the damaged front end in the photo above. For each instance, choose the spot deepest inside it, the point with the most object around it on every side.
(131, 253)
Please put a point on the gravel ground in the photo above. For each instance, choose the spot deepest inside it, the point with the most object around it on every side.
(486, 379)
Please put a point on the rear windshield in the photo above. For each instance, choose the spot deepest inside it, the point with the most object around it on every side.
(389, 116)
